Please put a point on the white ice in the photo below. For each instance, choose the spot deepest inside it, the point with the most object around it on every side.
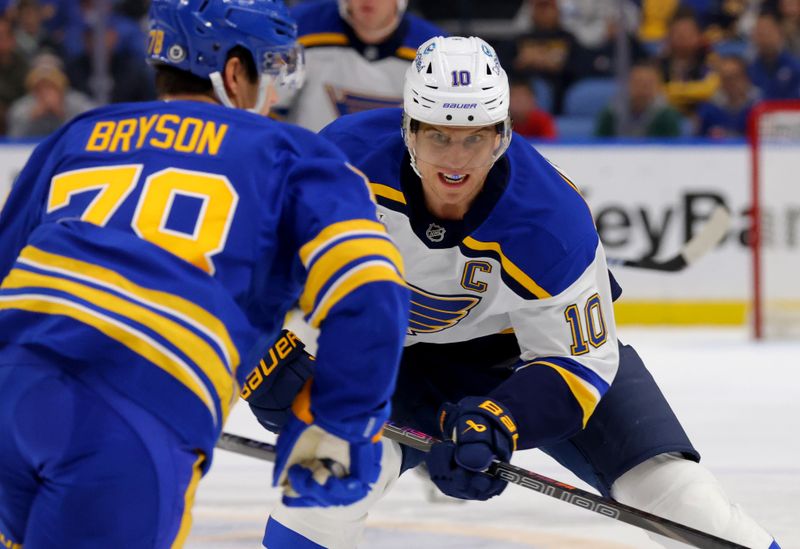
(738, 400)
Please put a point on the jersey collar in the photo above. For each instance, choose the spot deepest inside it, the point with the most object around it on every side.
(445, 233)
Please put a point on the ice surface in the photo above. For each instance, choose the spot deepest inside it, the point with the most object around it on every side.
(738, 401)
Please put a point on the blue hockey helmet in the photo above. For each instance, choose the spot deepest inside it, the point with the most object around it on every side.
(196, 36)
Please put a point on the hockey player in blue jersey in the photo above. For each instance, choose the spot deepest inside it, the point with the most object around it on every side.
(511, 342)
(146, 253)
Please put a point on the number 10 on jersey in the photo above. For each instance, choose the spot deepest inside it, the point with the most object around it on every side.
(592, 319)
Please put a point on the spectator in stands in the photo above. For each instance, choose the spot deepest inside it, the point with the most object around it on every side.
(648, 115)
(49, 102)
(719, 19)
(685, 70)
(593, 22)
(548, 51)
(13, 68)
(655, 18)
(526, 117)
(58, 16)
(30, 34)
(131, 77)
(773, 70)
(790, 25)
(726, 114)
(357, 53)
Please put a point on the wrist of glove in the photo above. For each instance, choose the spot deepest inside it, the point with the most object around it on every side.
(273, 385)
(323, 463)
(475, 432)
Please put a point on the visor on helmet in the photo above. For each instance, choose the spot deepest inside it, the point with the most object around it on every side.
(456, 148)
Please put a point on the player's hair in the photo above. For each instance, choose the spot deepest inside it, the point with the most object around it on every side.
(171, 80)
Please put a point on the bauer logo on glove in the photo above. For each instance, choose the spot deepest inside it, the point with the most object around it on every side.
(274, 384)
(477, 431)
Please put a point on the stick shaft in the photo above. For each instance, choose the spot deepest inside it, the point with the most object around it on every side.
(527, 479)
(700, 244)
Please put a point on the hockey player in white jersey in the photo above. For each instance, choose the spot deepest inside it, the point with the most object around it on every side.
(511, 343)
(357, 52)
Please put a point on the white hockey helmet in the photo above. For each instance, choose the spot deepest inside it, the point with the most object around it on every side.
(456, 81)
(401, 9)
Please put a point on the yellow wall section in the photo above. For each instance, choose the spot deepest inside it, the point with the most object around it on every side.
(722, 313)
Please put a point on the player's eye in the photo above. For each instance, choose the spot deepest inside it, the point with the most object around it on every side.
(473, 140)
(439, 138)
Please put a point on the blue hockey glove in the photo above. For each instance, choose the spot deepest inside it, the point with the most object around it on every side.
(475, 432)
(273, 385)
(322, 464)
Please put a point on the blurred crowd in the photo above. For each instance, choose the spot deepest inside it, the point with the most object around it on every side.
(49, 51)
(689, 67)
(695, 67)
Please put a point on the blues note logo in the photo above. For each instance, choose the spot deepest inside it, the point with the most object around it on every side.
(432, 313)
(349, 102)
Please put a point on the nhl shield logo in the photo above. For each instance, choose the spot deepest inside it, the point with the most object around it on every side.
(435, 233)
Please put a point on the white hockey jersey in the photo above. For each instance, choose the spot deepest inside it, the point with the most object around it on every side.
(344, 75)
(526, 258)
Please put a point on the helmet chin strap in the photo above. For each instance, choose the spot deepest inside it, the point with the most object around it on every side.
(264, 81)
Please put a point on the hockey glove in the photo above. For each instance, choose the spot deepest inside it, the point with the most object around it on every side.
(319, 464)
(271, 388)
(475, 432)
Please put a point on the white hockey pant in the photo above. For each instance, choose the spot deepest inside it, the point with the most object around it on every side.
(686, 492)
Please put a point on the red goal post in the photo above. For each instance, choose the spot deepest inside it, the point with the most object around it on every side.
(774, 138)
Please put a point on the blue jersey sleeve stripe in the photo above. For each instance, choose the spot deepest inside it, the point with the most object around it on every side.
(190, 313)
(130, 337)
(588, 375)
(336, 231)
(361, 274)
(509, 267)
(199, 352)
(345, 252)
(585, 392)
(309, 307)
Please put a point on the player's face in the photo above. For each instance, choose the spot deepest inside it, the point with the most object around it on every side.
(372, 15)
(453, 163)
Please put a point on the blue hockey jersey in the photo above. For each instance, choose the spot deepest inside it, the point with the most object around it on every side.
(525, 259)
(157, 247)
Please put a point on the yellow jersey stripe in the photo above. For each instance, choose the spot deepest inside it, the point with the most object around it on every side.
(364, 177)
(189, 343)
(404, 52)
(138, 342)
(188, 503)
(508, 266)
(324, 39)
(337, 231)
(371, 271)
(387, 192)
(338, 256)
(586, 397)
(171, 304)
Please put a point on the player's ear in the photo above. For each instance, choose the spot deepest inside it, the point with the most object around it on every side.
(236, 79)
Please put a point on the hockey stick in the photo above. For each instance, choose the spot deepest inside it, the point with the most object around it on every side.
(699, 245)
(526, 479)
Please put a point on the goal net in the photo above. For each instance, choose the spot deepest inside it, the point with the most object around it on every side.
(775, 239)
